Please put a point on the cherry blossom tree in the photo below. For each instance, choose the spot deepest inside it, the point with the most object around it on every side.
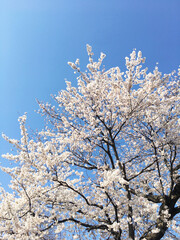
(106, 166)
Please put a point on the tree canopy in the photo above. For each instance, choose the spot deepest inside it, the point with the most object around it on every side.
(106, 166)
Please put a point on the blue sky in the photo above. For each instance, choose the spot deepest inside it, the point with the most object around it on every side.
(39, 37)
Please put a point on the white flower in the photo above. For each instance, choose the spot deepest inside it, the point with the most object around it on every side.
(72, 65)
(139, 54)
(75, 237)
(156, 230)
(77, 61)
(89, 49)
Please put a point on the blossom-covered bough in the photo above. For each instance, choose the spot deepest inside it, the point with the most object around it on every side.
(107, 164)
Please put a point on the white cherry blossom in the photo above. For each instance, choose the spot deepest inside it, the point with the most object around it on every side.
(106, 166)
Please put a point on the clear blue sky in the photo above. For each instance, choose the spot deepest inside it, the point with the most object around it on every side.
(39, 37)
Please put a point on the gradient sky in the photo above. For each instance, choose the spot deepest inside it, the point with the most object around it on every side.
(39, 37)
